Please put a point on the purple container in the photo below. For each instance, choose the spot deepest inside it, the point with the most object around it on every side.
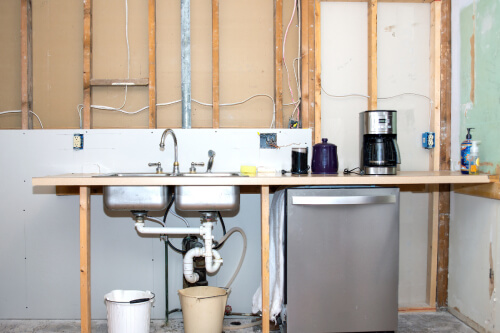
(324, 158)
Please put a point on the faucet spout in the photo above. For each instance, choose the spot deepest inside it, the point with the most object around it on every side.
(211, 155)
(168, 131)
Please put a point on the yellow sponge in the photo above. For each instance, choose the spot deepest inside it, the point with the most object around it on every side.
(248, 170)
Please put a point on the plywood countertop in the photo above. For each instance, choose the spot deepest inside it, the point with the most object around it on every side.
(402, 178)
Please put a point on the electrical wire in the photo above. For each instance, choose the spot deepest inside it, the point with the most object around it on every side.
(431, 102)
(79, 107)
(19, 111)
(284, 47)
(128, 54)
(344, 96)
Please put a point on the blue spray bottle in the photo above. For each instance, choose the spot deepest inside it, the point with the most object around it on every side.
(465, 152)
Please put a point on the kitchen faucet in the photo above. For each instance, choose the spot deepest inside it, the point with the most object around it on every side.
(211, 155)
(175, 171)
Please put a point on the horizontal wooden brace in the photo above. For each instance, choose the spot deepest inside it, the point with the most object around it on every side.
(119, 82)
(491, 191)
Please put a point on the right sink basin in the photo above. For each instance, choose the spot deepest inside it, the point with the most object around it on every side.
(207, 198)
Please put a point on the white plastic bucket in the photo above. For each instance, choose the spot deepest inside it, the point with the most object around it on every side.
(129, 311)
(203, 309)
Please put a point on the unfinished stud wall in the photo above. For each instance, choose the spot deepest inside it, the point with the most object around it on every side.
(10, 63)
(246, 62)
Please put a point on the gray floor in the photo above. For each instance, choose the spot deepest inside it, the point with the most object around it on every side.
(442, 322)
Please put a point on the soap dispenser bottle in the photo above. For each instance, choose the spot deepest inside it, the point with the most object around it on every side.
(465, 152)
(474, 158)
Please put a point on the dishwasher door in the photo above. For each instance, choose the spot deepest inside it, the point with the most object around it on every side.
(342, 257)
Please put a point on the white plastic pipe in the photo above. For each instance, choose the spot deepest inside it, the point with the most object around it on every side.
(213, 262)
(189, 274)
(165, 230)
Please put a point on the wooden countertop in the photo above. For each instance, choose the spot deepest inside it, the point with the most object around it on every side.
(404, 177)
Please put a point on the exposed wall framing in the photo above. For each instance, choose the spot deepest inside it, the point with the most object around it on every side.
(215, 65)
(89, 82)
(445, 135)
(438, 204)
(26, 66)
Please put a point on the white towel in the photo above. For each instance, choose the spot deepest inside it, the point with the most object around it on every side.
(276, 258)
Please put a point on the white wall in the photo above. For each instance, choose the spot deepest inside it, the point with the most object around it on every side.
(39, 242)
(403, 67)
(474, 228)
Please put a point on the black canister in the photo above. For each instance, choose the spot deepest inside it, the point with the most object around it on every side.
(299, 161)
(324, 159)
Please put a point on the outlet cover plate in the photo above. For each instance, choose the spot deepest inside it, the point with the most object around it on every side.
(77, 141)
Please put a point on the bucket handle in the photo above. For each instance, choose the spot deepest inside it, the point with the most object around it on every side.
(140, 300)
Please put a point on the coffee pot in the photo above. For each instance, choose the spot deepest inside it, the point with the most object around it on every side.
(379, 148)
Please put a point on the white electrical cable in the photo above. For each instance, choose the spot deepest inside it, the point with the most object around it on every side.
(431, 102)
(19, 111)
(343, 96)
(284, 45)
(79, 107)
(128, 54)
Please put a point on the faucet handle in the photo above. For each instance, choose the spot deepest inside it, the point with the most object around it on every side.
(157, 165)
(192, 169)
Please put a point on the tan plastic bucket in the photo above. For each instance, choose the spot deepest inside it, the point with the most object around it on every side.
(203, 309)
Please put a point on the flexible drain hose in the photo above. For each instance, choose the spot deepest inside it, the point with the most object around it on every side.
(243, 252)
(240, 327)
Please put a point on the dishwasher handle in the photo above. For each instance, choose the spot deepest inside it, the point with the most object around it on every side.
(343, 200)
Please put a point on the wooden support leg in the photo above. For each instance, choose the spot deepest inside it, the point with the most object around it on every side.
(264, 211)
(85, 259)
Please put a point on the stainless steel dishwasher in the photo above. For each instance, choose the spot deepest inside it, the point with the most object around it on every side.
(342, 253)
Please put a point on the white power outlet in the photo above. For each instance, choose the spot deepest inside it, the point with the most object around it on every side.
(77, 141)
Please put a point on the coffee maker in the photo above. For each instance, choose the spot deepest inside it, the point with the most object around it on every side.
(379, 147)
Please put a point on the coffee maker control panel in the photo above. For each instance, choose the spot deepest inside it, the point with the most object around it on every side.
(379, 122)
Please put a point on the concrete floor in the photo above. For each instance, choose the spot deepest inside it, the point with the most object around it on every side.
(442, 322)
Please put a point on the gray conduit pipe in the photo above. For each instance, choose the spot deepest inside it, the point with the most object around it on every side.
(186, 62)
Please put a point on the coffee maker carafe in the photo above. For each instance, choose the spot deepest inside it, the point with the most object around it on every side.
(378, 141)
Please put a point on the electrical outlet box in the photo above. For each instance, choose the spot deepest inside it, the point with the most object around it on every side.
(428, 141)
(77, 141)
(268, 141)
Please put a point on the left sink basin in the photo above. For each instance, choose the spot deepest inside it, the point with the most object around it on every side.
(139, 198)
(128, 198)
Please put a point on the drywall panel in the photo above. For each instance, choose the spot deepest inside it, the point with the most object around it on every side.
(479, 83)
(39, 242)
(246, 61)
(10, 63)
(474, 233)
(57, 62)
(474, 251)
(403, 67)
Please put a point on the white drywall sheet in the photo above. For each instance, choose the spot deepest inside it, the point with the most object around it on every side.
(474, 232)
(39, 242)
(403, 67)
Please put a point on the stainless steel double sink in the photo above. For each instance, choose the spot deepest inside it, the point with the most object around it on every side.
(187, 197)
